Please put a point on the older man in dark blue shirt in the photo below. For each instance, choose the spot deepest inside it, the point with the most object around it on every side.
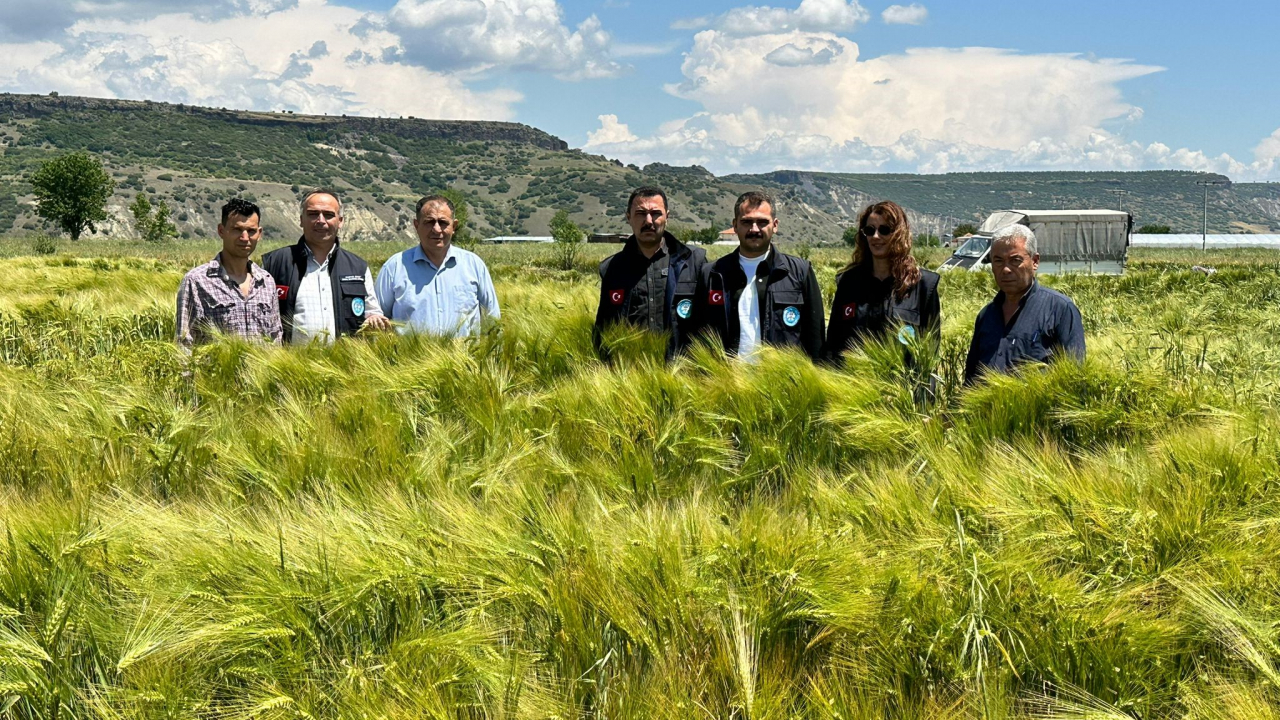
(1026, 321)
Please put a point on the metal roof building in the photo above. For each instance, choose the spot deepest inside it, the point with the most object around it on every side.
(1217, 242)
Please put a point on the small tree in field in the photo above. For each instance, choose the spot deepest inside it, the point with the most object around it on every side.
(850, 236)
(152, 222)
(568, 237)
(964, 229)
(72, 191)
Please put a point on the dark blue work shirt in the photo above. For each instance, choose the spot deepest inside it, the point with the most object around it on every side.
(1047, 322)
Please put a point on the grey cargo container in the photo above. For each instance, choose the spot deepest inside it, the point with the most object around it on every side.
(1084, 241)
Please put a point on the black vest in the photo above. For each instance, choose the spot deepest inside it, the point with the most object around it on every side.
(287, 265)
(621, 272)
(789, 296)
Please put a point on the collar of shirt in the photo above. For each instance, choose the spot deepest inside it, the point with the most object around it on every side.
(220, 270)
(633, 247)
(1035, 285)
(420, 256)
(755, 262)
(869, 276)
(311, 258)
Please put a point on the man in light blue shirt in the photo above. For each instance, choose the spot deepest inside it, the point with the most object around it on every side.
(434, 287)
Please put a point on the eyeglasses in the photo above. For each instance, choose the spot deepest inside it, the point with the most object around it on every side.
(883, 230)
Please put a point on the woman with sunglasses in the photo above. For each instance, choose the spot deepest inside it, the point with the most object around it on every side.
(882, 290)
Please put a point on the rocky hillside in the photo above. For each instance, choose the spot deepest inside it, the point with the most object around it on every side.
(515, 177)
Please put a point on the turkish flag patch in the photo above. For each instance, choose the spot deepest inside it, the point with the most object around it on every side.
(617, 296)
(282, 291)
(716, 297)
(850, 310)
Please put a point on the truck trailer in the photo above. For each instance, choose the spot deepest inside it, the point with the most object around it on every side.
(1081, 241)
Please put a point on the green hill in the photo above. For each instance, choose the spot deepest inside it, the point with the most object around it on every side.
(514, 176)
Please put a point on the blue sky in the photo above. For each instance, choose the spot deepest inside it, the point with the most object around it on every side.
(838, 85)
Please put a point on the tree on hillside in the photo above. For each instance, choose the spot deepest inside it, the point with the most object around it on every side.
(461, 233)
(72, 191)
(1154, 230)
(964, 229)
(687, 234)
(850, 236)
(568, 237)
(152, 223)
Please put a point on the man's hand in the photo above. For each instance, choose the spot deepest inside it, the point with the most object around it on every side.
(377, 322)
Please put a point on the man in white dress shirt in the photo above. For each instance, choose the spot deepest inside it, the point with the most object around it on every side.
(324, 290)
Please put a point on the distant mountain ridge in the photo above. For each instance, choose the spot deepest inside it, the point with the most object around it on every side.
(514, 176)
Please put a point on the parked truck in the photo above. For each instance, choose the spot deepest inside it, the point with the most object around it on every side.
(1083, 241)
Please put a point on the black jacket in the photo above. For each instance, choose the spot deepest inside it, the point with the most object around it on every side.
(287, 265)
(625, 292)
(866, 308)
(790, 301)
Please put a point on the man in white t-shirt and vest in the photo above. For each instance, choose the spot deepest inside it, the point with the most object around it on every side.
(758, 295)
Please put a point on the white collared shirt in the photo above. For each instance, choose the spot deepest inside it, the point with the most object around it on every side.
(313, 316)
(749, 309)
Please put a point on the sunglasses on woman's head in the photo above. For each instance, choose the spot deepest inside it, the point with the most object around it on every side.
(871, 230)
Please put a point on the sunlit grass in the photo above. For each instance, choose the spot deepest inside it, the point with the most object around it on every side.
(504, 527)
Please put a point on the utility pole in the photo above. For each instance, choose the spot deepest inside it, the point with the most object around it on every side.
(1204, 235)
(1120, 194)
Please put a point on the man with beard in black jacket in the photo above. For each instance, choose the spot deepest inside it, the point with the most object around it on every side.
(650, 283)
(758, 295)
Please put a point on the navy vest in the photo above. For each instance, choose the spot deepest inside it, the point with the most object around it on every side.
(287, 265)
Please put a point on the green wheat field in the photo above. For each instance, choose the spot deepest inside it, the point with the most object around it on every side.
(506, 528)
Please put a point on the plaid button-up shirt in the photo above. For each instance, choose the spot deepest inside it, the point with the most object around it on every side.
(209, 300)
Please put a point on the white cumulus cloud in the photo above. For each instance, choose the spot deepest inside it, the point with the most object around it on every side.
(913, 14)
(302, 58)
(41, 19)
(807, 100)
(835, 16)
(478, 35)
(611, 132)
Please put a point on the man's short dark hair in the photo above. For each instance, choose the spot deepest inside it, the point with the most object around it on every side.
(753, 199)
(648, 191)
(435, 199)
(241, 207)
(302, 204)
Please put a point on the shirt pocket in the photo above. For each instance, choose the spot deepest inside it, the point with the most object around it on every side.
(1027, 346)
(682, 302)
(354, 299)
(907, 316)
(788, 313)
(465, 297)
(220, 314)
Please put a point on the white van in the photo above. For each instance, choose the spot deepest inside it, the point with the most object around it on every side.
(1084, 241)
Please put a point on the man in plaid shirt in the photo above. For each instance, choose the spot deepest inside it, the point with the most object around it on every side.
(230, 294)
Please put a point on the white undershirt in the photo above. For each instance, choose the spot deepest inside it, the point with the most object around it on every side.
(749, 310)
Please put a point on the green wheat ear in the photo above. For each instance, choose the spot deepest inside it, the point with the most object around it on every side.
(506, 527)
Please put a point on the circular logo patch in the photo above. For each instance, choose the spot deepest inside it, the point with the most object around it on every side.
(791, 316)
(683, 308)
(357, 305)
(906, 334)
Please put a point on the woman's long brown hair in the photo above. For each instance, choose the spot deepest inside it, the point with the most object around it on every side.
(901, 264)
